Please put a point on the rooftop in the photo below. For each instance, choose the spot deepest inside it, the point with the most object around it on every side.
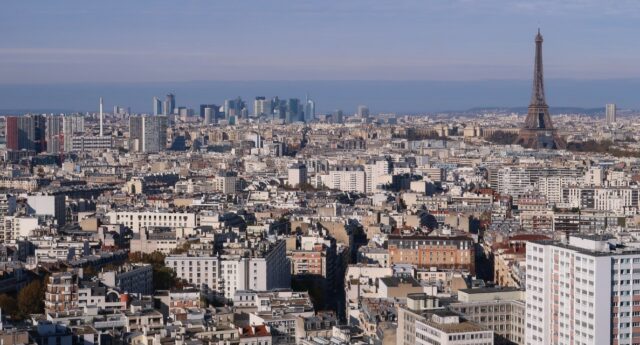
(396, 281)
(593, 245)
(254, 331)
(489, 290)
(461, 326)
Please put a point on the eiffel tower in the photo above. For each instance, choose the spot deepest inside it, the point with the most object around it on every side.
(538, 131)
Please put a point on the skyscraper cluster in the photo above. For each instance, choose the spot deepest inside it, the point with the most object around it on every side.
(234, 110)
(285, 110)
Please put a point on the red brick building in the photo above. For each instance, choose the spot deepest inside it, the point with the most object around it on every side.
(456, 252)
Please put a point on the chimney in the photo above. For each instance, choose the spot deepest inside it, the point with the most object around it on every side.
(101, 117)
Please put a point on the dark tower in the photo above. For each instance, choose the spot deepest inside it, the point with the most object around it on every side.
(538, 131)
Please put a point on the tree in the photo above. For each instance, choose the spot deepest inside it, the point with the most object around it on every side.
(89, 271)
(163, 278)
(156, 258)
(9, 306)
(307, 187)
(110, 267)
(30, 298)
(184, 248)
(502, 138)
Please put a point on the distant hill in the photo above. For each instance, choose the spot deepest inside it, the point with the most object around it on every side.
(552, 110)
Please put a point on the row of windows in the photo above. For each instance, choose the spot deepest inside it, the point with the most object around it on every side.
(184, 269)
(625, 282)
(625, 303)
(533, 258)
(577, 324)
(583, 313)
(620, 272)
(458, 337)
(626, 261)
(584, 302)
(190, 262)
(624, 293)
(584, 281)
(153, 217)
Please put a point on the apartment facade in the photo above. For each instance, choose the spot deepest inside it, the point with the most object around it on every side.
(582, 292)
(136, 220)
(447, 328)
(226, 273)
(429, 251)
(130, 278)
(346, 179)
(423, 321)
(61, 293)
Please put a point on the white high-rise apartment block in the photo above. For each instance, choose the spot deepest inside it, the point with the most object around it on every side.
(611, 114)
(375, 170)
(201, 271)
(72, 125)
(265, 267)
(551, 187)
(297, 175)
(148, 133)
(225, 182)
(346, 179)
(154, 133)
(7, 208)
(583, 292)
(514, 182)
(617, 200)
(55, 134)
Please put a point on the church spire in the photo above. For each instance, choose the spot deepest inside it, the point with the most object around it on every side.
(537, 92)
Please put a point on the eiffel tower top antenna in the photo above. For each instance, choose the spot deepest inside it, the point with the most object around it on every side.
(537, 92)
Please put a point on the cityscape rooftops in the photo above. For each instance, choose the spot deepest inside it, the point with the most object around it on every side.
(450, 322)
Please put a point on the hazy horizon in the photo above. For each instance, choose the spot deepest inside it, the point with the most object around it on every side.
(417, 96)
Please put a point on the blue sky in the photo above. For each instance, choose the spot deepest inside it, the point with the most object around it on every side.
(75, 41)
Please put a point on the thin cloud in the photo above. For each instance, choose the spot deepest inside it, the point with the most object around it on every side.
(626, 8)
(99, 52)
